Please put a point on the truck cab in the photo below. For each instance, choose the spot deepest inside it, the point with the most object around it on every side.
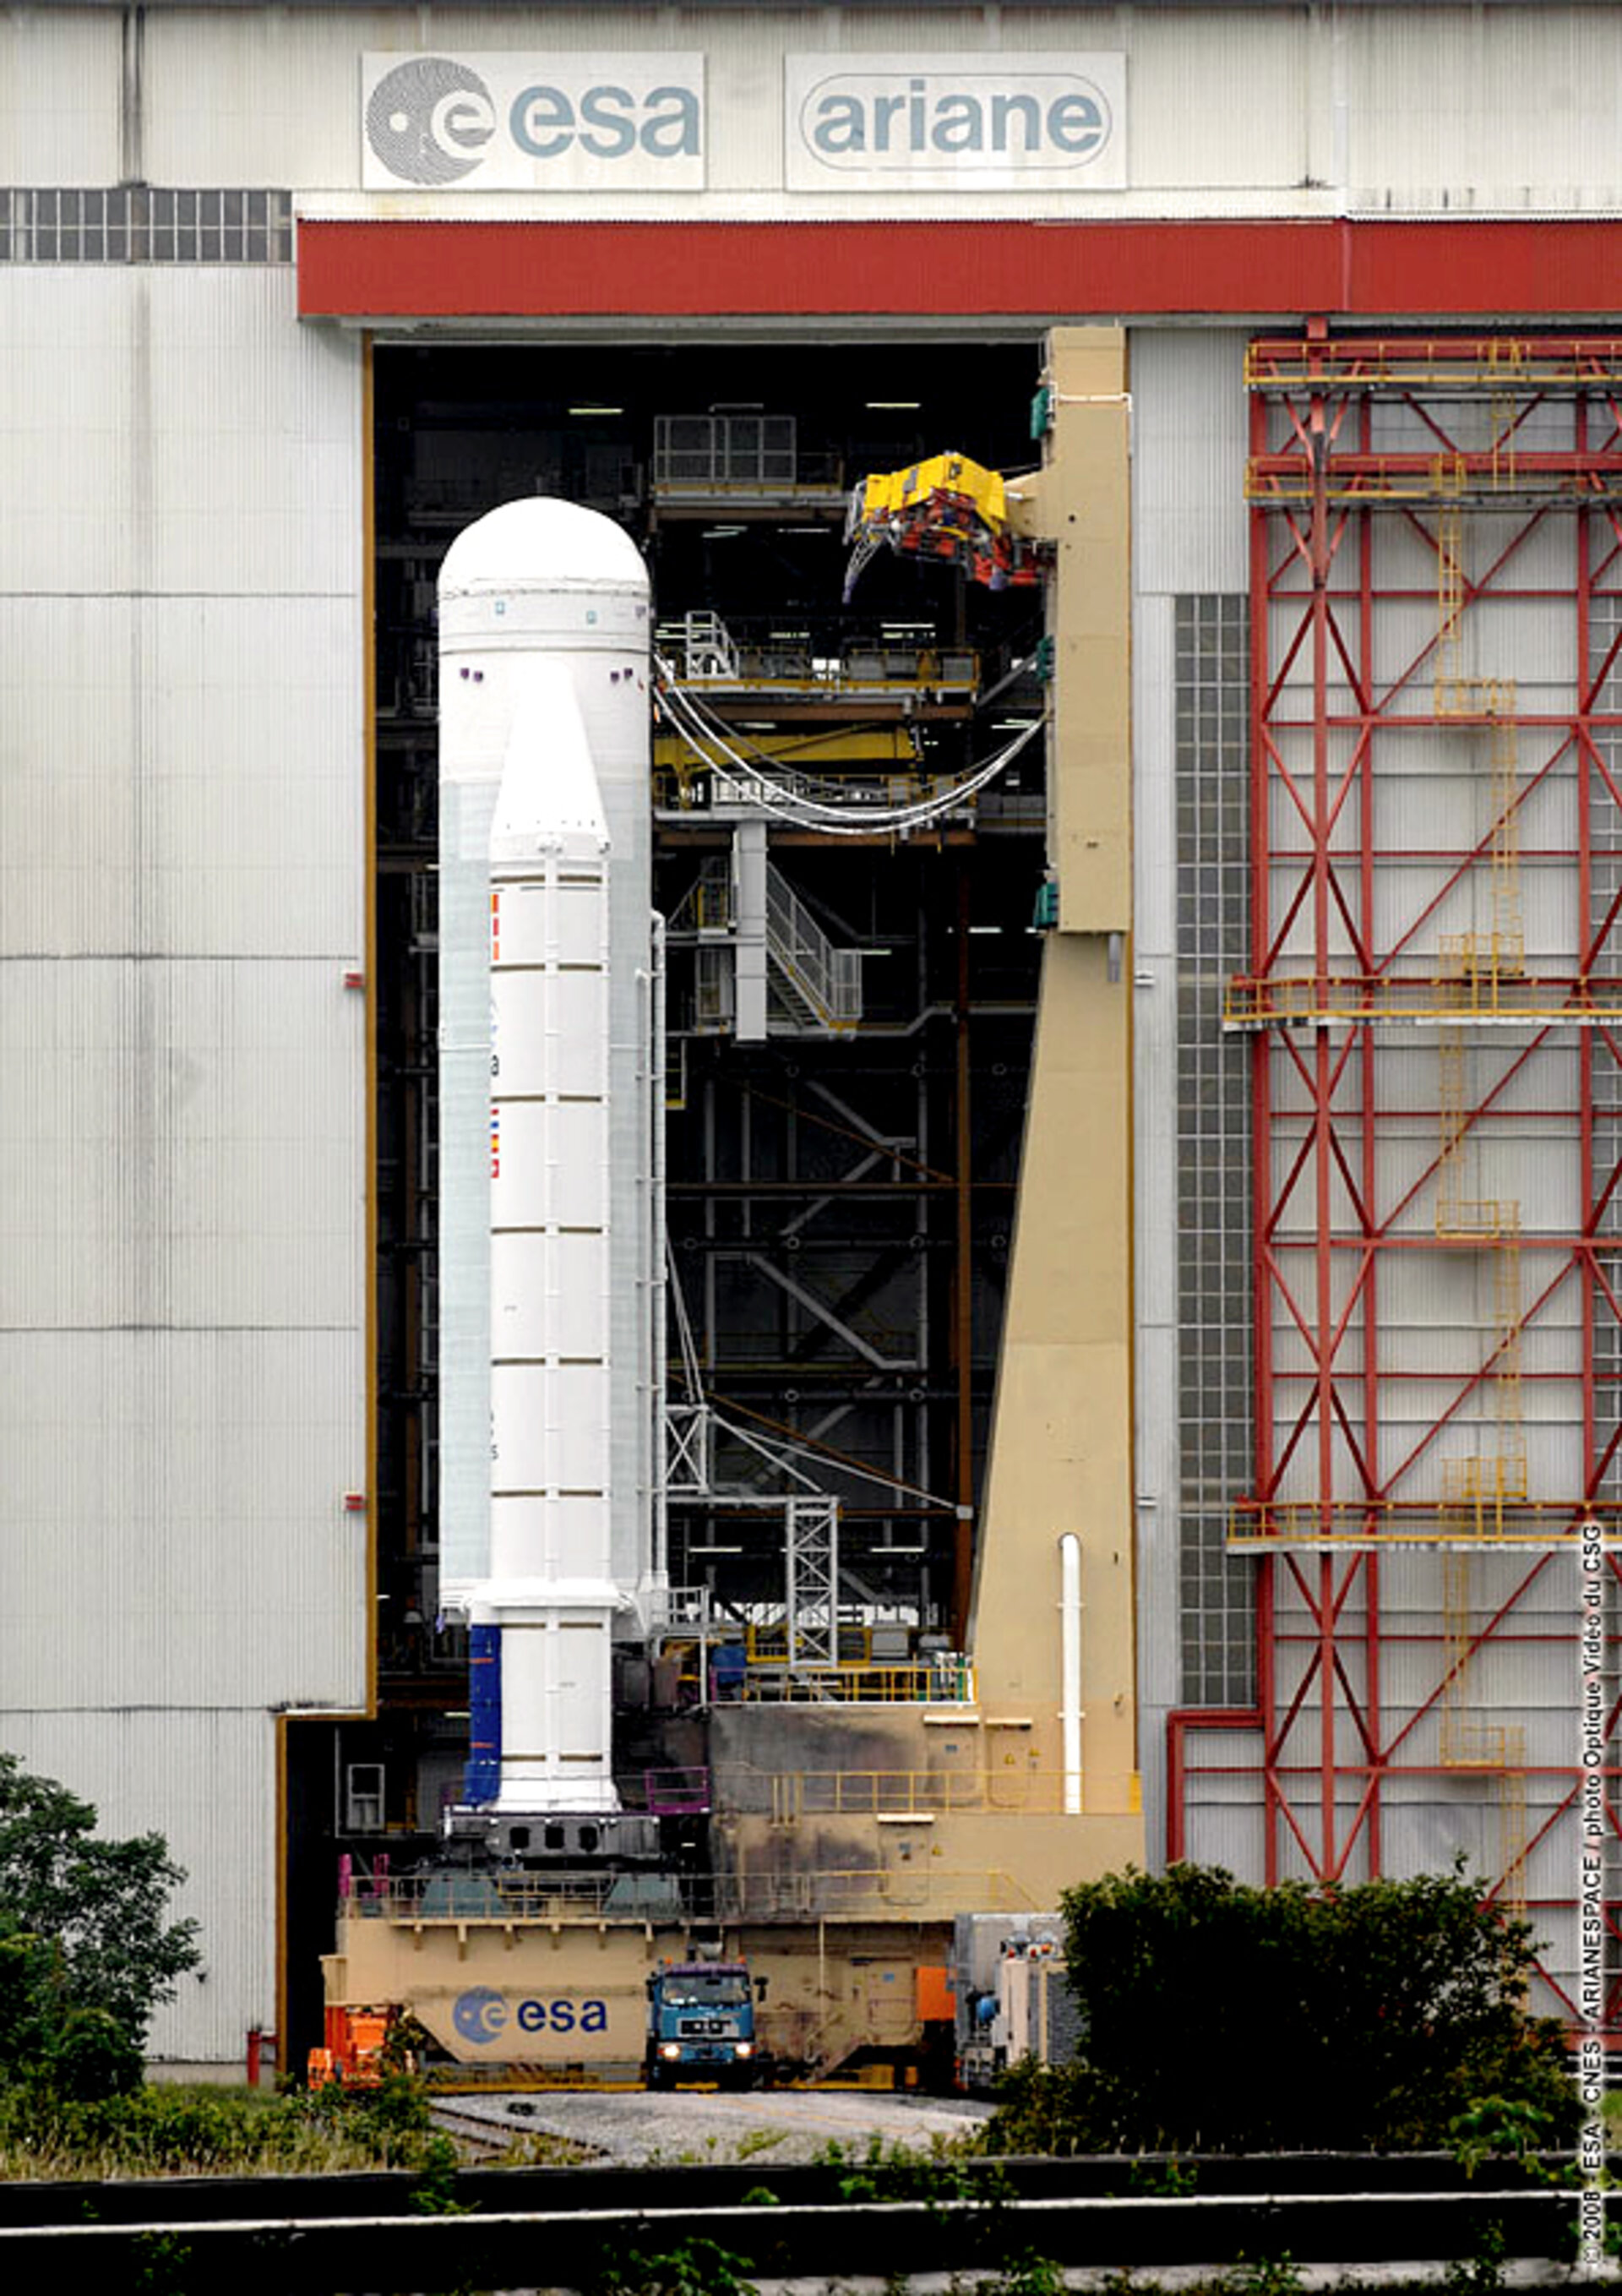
(701, 2025)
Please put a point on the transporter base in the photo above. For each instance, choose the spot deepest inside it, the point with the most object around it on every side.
(559, 1997)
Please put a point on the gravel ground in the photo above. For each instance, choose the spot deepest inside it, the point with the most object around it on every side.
(631, 2125)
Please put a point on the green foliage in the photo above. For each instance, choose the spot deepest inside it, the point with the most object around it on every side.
(392, 2114)
(1501, 2128)
(1481, 2273)
(693, 2268)
(91, 2055)
(1162, 2180)
(757, 2140)
(30, 2000)
(82, 2052)
(159, 2132)
(404, 2043)
(1044, 2109)
(162, 2265)
(84, 1929)
(1263, 2276)
(948, 2170)
(1211, 2010)
(1028, 2275)
(434, 2193)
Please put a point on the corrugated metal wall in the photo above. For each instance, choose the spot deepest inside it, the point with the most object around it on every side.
(1229, 110)
(181, 1120)
(60, 86)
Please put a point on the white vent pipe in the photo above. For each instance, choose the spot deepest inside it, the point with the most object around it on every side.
(1069, 1669)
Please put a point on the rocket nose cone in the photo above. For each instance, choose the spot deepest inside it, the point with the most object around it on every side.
(540, 540)
(548, 782)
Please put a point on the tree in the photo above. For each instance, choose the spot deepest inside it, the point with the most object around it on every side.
(88, 1954)
(1218, 2015)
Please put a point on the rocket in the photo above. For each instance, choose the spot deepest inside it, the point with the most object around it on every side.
(551, 1230)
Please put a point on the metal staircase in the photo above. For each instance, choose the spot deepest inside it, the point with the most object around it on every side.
(815, 986)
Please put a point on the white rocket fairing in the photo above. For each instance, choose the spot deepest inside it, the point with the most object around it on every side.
(551, 1230)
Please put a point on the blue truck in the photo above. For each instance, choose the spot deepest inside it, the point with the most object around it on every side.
(701, 2025)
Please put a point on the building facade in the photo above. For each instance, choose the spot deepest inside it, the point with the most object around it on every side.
(1300, 1306)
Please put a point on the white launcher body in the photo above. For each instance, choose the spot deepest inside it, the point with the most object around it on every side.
(551, 1220)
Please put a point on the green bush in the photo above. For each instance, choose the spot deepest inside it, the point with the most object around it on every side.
(157, 2132)
(1222, 2017)
(98, 1908)
(693, 2268)
(93, 2056)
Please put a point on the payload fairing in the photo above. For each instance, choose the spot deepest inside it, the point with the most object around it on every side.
(551, 1214)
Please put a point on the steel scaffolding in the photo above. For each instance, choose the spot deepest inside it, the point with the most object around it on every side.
(1433, 1005)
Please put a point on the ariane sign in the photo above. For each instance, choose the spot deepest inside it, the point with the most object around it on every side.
(638, 121)
(980, 122)
(551, 122)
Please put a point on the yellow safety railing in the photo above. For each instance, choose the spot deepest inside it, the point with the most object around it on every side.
(1501, 1518)
(1494, 990)
(1468, 1743)
(1379, 479)
(1015, 1790)
(920, 1885)
(1493, 364)
(850, 1685)
(463, 1903)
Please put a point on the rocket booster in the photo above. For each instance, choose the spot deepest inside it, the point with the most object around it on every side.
(550, 1227)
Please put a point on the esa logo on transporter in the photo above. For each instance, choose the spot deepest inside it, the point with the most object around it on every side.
(524, 121)
(481, 2015)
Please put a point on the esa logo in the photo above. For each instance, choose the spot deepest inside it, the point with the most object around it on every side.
(433, 119)
(429, 121)
(480, 2014)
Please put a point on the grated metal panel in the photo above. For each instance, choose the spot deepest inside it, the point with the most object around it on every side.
(1214, 1401)
(1154, 1094)
(140, 223)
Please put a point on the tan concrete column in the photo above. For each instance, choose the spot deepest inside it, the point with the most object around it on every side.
(1062, 1446)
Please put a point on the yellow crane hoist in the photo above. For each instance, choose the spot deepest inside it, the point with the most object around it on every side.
(948, 507)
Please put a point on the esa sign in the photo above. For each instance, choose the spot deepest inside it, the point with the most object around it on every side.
(987, 122)
(481, 2015)
(534, 122)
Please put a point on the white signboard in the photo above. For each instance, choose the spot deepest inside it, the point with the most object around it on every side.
(986, 122)
(541, 121)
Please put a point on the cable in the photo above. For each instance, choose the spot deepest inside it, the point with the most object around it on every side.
(699, 727)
